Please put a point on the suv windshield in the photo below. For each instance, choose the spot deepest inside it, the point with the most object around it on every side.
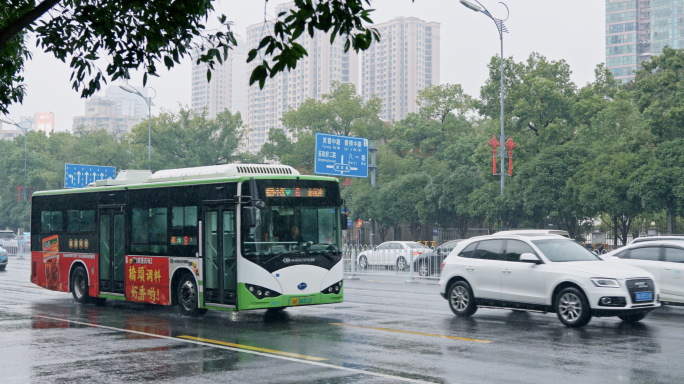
(284, 229)
(558, 250)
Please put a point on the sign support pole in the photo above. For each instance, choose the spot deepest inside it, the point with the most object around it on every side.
(372, 167)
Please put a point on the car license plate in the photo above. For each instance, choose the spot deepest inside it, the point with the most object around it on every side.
(301, 300)
(644, 296)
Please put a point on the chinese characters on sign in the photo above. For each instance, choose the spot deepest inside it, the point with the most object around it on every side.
(147, 279)
(295, 192)
(341, 155)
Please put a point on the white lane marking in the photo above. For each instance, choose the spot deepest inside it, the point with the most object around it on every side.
(359, 371)
(394, 282)
(401, 293)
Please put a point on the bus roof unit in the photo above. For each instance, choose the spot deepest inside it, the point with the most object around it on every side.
(221, 171)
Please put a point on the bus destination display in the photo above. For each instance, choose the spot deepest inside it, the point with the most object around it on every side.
(295, 192)
(183, 240)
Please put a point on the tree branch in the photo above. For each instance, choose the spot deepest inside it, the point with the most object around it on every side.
(14, 28)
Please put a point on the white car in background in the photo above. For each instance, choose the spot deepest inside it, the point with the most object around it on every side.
(397, 254)
(663, 258)
(544, 273)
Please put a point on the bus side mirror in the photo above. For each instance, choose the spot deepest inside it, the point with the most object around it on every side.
(344, 222)
(249, 217)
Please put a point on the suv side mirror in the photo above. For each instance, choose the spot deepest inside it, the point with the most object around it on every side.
(530, 258)
(249, 217)
(344, 223)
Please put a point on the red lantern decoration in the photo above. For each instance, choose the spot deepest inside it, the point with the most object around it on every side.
(494, 143)
(510, 145)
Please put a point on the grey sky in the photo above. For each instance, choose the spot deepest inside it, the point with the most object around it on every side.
(570, 30)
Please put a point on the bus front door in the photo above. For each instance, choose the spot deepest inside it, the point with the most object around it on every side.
(220, 261)
(111, 255)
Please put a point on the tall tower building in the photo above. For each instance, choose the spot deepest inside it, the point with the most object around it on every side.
(636, 30)
(405, 61)
(312, 78)
(226, 88)
(128, 104)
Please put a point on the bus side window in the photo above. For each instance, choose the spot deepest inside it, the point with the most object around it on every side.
(81, 221)
(149, 231)
(51, 221)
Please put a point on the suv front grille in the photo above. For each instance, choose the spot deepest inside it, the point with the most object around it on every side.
(640, 285)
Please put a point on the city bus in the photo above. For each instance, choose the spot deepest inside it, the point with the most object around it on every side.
(225, 237)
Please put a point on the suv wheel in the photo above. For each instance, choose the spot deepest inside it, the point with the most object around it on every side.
(632, 319)
(461, 299)
(572, 308)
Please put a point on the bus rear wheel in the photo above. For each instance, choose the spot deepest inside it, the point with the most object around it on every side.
(79, 285)
(186, 292)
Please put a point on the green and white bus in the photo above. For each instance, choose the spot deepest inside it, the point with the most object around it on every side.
(225, 237)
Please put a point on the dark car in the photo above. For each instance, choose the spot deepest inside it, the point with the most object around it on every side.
(433, 264)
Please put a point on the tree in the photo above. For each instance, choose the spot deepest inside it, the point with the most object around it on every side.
(189, 139)
(438, 101)
(134, 34)
(658, 93)
(607, 190)
(341, 112)
(544, 185)
(659, 182)
(448, 194)
(298, 154)
(539, 96)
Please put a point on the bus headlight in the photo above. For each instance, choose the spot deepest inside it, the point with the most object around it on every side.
(333, 289)
(261, 292)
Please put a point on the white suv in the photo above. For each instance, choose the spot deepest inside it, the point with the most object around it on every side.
(544, 273)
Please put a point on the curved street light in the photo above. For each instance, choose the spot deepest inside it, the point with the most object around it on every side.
(502, 29)
(9, 121)
(148, 100)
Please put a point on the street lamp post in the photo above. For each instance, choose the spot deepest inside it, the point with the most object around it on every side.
(148, 100)
(502, 29)
(7, 120)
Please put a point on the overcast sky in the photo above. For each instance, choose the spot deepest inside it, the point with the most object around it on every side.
(570, 30)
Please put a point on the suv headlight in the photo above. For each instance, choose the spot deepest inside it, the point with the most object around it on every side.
(605, 283)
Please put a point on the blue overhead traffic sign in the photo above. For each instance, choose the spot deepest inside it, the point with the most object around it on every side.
(341, 156)
(79, 176)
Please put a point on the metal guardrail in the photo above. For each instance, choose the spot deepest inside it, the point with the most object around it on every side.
(414, 263)
(17, 246)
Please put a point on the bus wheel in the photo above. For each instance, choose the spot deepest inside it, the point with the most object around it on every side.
(79, 285)
(187, 297)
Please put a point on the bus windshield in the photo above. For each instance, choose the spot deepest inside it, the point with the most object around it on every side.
(284, 229)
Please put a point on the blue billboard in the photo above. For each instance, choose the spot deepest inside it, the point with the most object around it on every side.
(79, 176)
(341, 156)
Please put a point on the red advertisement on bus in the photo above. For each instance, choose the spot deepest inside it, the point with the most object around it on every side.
(147, 279)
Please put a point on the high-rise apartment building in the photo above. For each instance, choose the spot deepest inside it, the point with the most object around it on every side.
(312, 78)
(226, 89)
(128, 104)
(636, 29)
(100, 114)
(405, 61)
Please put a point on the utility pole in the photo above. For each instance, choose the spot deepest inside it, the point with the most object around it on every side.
(502, 29)
(372, 167)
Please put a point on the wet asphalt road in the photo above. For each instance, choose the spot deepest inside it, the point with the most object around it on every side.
(384, 332)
